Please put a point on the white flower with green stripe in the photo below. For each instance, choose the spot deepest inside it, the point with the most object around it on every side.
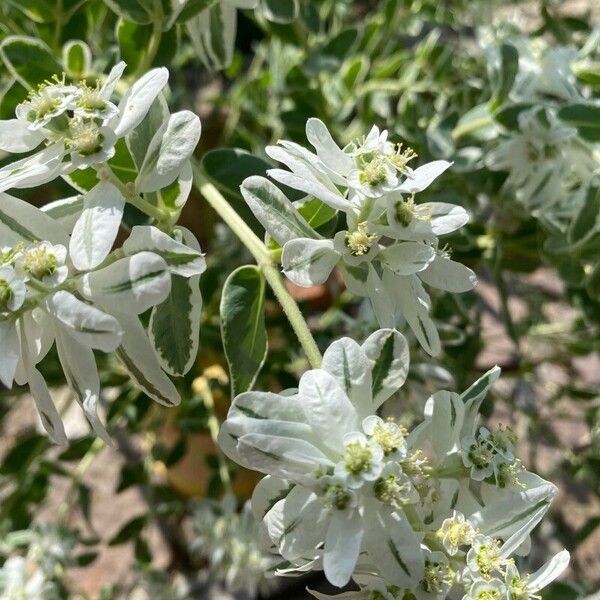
(362, 498)
(324, 440)
(381, 257)
(90, 298)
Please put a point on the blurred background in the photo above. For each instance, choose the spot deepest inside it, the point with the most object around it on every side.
(155, 516)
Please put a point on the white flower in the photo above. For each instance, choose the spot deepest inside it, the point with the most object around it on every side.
(49, 101)
(527, 587)
(76, 122)
(17, 582)
(437, 579)
(317, 438)
(491, 589)
(455, 532)
(345, 178)
(544, 160)
(44, 262)
(485, 558)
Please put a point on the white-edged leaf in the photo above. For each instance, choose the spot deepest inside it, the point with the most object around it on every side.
(308, 262)
(546, 574)
(34, 170)
(10, 352)
(387, 350)
(131, 284)
(447, 421)
(23, 222)
(342, 546)
(174, 326)
(274, 211)
(85, 323)
(96, 229)
(66, 210)
(15, 136)
(448, 275)
(170, 148)
(136, 103)
(407, 258)
(138, 356)
(422, 177)
(184, 260)
(243, 326)
(393, 546)
(327, 150)
(79, 367)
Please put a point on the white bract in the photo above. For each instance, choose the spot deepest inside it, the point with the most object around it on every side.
(362, 498)
(390, 246)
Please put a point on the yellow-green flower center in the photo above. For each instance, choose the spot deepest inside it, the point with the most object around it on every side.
(488, 595)
(90, 99)
(359, 242)
(39, 262)
(357, 458)
(436, 576)
(391, 490)
(388, 436)
(373, 172)
(488, 559)
(85, 139)
(337, 496)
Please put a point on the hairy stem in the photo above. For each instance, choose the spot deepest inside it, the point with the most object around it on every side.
(264, 260)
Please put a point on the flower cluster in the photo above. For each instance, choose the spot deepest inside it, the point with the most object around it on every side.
(391, 244)
(39, 572)
(62, 281)
(442, 507)
(229, 541)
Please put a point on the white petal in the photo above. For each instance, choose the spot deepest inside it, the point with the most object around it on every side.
(327, 150)
(303, 520)
(182, 260)
(15, 136)
(407, 258)
(308, 262)
(550, 571)
(422, 177)
(448, 275)
(324, 402)
(96, 229)
(387, 351)
(136, 103)
(108, 87)
(10, 352)
(79, 367)
(85, 323)
(132, 284)
(384, 304)
(348, 363)
(34, 170)
(170, 148)
(342, 547)
(265, 491)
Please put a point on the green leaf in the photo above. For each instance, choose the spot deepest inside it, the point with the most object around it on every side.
(509, 117)
(509, 67)
(29, 60)
(587, 220)
(592, 283)
(476, 123)
(190, 9)
(139, 139)
(122, 164)
(132, 10)
(77, 58)
(133, 40)
(280, 11)
(243, 326)
(130, 530)
(316, 212)
(586, 117)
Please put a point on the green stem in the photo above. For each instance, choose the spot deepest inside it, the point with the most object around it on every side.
(155, 39)
(213, 427)
(160, 216)
(264, 260)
